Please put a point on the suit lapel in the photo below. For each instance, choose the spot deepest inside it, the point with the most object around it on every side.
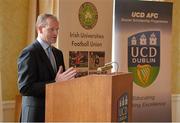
(44, 57)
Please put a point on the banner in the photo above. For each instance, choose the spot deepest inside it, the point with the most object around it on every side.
(86, 34)
(142, 46)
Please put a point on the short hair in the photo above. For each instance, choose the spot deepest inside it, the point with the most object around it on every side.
(41, 19)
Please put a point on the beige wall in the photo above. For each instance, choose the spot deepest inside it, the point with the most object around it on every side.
(176, 47)
(13, 36)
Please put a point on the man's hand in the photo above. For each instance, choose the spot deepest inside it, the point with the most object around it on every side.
(67, 75)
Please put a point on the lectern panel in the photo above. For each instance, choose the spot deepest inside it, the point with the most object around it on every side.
(87, 99)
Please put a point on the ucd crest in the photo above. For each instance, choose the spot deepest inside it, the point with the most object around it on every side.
(144, 57)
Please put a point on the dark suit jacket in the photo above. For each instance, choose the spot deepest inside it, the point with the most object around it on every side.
(34, 72)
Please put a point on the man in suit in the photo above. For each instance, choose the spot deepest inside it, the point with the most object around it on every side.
(36, 68)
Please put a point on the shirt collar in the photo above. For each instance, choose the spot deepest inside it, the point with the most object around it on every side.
(43, 43)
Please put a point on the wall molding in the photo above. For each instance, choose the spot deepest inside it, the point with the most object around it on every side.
(175, 97)
(8, 111)
(8, 104)
(175, 102)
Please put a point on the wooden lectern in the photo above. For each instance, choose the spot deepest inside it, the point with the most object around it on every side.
(91, 98)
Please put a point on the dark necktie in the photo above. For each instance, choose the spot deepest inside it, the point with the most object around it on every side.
(52, 58)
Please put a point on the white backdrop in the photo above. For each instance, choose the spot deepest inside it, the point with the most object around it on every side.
(75, 38)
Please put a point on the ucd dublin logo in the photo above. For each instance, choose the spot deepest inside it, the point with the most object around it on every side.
(88, 15)
(144, 57)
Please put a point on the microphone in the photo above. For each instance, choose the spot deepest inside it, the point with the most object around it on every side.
(104, 68)
(107, 66)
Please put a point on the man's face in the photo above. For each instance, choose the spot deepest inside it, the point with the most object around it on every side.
(49, 32)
